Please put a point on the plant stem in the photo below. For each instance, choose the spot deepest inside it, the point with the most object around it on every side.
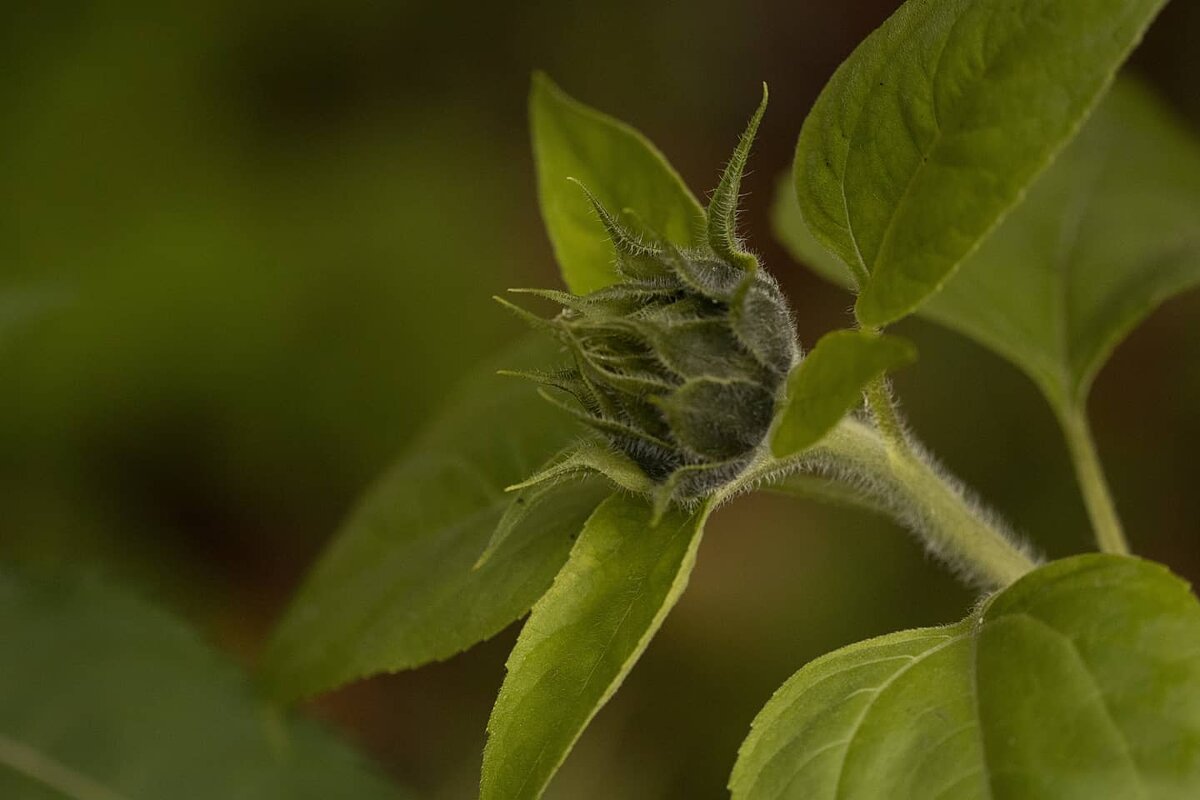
(887, 417)
(1088, 471)
(882, 468)
(951, 523)
(934, 505)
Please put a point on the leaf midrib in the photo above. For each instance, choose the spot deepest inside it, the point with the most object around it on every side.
(1074, 217)
(1119, 734)
(922, 166)
(974, 635)
(42, 768)
(879, 691)
(688, 523)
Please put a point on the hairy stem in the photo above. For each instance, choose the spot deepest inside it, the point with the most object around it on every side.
(907, 485)
(887, 417)
(1110, 536)
(953, 524)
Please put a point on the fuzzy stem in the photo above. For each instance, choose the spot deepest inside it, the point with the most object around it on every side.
(1088, 471)
(955, 526)
(951, 523)
(905, 483)
(887, 417)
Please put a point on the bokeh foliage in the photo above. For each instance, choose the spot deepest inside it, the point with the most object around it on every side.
(268, 236)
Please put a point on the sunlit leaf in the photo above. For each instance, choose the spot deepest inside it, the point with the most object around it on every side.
(937, 123)
(103, 697)
(830, 381)
(619, 166)
(398, 586)
(583, 637)
(1108, 233)
(1081, 680)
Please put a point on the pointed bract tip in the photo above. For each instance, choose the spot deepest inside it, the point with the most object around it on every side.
(532, 480)
(722, 209)
(536, 322)
(635, 258)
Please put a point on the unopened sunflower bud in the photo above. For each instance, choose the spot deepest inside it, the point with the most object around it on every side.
(679, 365)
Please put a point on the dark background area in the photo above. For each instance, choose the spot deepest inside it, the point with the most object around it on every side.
(249, 248)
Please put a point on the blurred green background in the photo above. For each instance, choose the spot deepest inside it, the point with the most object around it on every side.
(249, 247)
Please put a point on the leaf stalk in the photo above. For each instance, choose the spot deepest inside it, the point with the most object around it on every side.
(1110, 535)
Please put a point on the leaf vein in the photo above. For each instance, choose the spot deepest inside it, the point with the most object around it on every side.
(1099, 695)
(856, 727)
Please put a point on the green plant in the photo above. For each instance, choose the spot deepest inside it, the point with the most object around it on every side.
(964, 163)
(103, 697)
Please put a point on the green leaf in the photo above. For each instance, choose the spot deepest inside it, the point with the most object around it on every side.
(829, 382)
(397, 587)
(103, 697)
(619, 166)
(1106, 235)
(1081, 680)
(794, 234)
(583, 637)
(937, 123)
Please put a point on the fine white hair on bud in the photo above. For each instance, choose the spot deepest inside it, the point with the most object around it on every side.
(680, 364)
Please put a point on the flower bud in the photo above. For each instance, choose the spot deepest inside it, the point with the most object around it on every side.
(680, 364)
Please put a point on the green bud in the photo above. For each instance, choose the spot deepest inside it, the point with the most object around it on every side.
(680, 365)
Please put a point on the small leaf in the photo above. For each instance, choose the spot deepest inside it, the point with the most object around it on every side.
(397, 587)
(1106, 235)
(619, 166)
(103, 697)
(1080, 680)
(829, 383)
(583, 637)
(933, 128)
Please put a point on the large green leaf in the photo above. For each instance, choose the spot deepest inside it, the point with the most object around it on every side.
(830, 381)
(583, 637)
(398, 586)
(619, 166)
(1108, 233)
(933, 128)
(103, 697)
(1081, 680)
